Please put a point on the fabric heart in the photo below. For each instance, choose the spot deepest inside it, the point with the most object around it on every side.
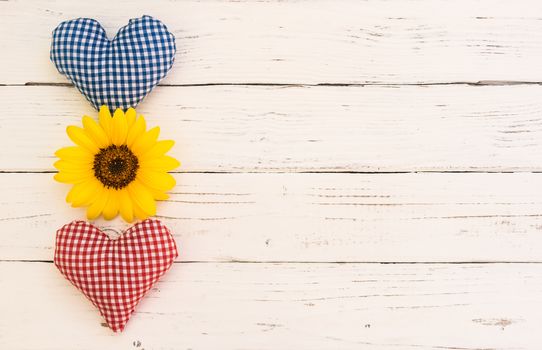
(114, 274)
(120, 72)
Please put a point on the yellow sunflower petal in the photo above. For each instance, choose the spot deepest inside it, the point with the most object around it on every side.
(75, 154)
(158, 180)
(138, 212)
(71, 178)
(84, 193)
(106, 122)
(158, 195)
(164, 163)
(71, 167)
(73, 190)
(125, 206)
(142, 197)
(120, 128)
(159, 149)
(145, 141)
(130, 117)
(111, 208)
(95, 209)
(95, 132)
(136, 131)
(79, 137)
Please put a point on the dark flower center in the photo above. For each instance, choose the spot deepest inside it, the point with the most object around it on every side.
(115, 166)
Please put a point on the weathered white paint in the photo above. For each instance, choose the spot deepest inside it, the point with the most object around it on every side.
(311, 217)
(437, 128)
(273, 207)
(286, 306)
(399, 41)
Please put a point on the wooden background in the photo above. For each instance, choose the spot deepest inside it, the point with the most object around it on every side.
(356, 175)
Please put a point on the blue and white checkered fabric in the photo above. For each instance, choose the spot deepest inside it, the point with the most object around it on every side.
(120, 72)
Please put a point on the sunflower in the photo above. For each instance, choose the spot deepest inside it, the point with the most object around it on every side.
(117, 166)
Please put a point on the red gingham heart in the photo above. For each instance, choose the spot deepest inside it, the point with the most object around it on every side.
(114, 274)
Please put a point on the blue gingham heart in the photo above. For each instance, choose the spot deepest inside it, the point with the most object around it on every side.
(120, 72)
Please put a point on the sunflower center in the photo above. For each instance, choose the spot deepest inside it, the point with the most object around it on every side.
(115, 166)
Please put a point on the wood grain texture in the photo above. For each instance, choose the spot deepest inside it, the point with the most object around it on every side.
(269, 129)
(293, 120)
(310, 217)
(287, 306)
(302, 43)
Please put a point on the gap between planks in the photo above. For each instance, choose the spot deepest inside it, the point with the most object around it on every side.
(328, 84)
(503, 171)
(316, 262)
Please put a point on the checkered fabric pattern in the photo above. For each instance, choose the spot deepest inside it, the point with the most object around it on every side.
(120, 72)
(114, 274)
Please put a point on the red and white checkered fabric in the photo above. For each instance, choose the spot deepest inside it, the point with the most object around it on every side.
(114, 274)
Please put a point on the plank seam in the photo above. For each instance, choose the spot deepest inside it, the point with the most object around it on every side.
(316, 172)
(323, 84)
(317, 262)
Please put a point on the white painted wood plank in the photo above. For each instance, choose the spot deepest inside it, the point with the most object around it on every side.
(436, 128)
(301, 42)
(310, 217)
(286, 306)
